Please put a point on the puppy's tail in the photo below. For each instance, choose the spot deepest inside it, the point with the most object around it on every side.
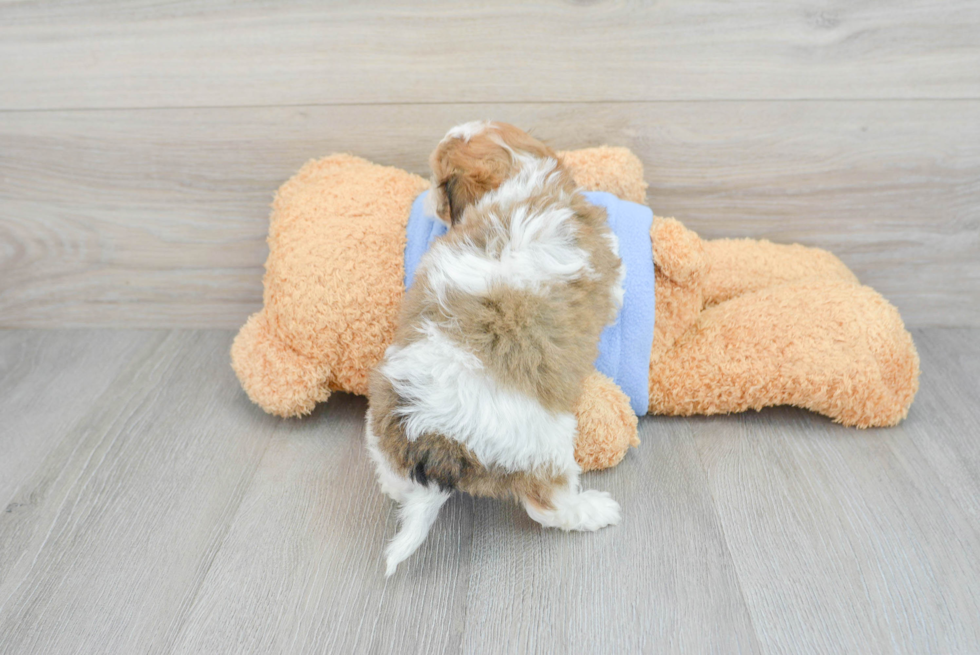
(419, 509)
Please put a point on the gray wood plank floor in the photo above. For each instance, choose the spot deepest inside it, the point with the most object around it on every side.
(149, 507)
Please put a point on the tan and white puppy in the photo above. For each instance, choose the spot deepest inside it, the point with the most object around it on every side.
(495, 337)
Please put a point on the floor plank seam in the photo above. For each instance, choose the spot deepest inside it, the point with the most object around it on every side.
(381, 598)
(192, 599)
(471, 503)
(484, 102)
(728, 551)
(926, 347)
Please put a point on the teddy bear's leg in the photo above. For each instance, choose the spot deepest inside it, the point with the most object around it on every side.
(835, 348)
(606, 424)
(740, 266)
(277, 378)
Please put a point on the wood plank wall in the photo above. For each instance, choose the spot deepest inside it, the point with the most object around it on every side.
(141, 142)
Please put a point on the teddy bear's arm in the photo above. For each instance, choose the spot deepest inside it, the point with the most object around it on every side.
(604, 168)
(606, 424)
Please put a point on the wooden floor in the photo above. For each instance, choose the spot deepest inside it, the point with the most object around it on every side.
(150, 507)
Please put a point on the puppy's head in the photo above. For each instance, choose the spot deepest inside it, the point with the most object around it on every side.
(474, 158)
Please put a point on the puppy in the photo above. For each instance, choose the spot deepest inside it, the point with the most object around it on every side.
(495, 337)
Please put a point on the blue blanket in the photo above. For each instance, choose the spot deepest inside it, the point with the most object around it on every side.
(624, 346)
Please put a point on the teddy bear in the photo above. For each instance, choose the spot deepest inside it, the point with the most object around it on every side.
(739, 323)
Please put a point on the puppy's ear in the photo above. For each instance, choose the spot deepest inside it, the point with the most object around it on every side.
(460, 193)
(454, 204)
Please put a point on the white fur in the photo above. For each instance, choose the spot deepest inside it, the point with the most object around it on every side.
(420, 504)
(528, 261)
(527, 250)
(530, 181)
(618, 291)
(419, 509)
(577, 510)
(392, 485)
(466, 131)
(448, 392)
(430, 205)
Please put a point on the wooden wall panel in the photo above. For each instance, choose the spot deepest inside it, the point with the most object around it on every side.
(61, 54)
(149, 218)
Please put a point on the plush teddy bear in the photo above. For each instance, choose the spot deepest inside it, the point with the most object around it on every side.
(739, 324)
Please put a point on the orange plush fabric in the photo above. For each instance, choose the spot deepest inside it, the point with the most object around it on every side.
(744, 324)
(333, 283)
(740, 324)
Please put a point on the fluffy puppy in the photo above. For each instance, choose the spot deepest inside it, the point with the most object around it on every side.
(495, 337)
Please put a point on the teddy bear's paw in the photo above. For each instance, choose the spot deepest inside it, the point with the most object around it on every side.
(884, 396)
(611, 169)
(606, 424)
(276, 377)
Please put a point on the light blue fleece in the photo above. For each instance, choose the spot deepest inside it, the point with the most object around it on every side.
(624, 346)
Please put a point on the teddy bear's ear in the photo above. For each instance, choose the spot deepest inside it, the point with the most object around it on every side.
(277, 378)
(678, 252)
(614, 170)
